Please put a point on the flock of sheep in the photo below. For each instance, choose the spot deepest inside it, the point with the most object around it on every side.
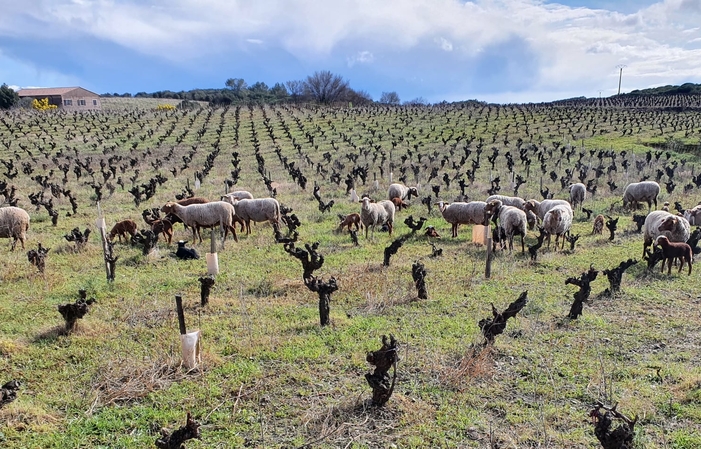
(513, 216)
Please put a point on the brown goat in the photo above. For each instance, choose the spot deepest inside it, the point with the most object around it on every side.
(598, 224)
(122, 228)
(674, 250)
(399, 204)
(350, 220)
(164, 227)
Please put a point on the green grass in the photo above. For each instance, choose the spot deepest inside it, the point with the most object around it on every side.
(270, 375)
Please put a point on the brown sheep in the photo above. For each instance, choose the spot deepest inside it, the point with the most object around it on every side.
(598, 224)
(164, 227)
(350, 220)
(122, 228)
(399, 204)
(674, 250)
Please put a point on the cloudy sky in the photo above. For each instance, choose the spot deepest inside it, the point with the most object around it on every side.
(493, 50)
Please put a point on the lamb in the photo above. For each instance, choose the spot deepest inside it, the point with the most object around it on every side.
(376, 214)
(122, 228)
(164, 227)
(659, 222)
(204, 215)
(558, 221)
(516, 202)
(540, 208)
(693, 215)
(641, 191)
(598, 224)
(674, 250)
(578, 193)
(399, 204)
(402, 192)
(456, 214)
(14, 223)
(238, 195)
(185, 253)
(348, 221)
(258, 210)
(512, 221)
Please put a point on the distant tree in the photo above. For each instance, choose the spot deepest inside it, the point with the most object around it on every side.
(8, 97)
(389, 98)
(279, 93)
(325, 87)
(296, 90)
(357, 97)
(259, 93)
(236, 84)
(418, 101)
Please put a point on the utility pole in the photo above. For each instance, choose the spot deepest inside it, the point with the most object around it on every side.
(620, 75)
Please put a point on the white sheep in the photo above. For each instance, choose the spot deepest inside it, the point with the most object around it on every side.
(558, 221)
(516, 201)
(693, 215)
(237, 195)
(205, 215)
(540, 208)
(14, 223)
(641, 191)
(659, 222)
(459, 213)
(578, 193)
(376, 214)
(258, 210)
(512, 220)
(402, 192)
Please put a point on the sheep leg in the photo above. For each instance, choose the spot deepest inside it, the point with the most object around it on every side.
(389, 226)
(523, 248)
(454, 230)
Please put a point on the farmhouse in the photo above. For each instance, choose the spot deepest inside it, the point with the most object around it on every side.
(67, 98)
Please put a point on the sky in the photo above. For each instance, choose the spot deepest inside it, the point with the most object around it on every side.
(502, 51)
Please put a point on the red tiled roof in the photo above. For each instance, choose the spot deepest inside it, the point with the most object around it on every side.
(45, 91)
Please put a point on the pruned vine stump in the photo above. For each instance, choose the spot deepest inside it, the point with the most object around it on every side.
(379, 380)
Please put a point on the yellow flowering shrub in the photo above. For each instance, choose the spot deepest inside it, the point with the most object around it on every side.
(165, 107)
(43, 104)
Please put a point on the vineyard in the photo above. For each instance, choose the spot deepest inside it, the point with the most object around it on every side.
(271, 375)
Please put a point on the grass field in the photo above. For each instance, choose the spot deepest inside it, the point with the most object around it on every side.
(270, 375)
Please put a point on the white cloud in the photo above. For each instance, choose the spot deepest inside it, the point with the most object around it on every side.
(575, 48)
(362, 57)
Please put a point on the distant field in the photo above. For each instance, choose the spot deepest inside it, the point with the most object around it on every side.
(271, 376)
(119, 103)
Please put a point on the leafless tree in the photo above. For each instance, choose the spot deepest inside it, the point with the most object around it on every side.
(390, 98)
(325, 87)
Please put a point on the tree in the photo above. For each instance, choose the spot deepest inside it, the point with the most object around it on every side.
(357, 97)
(43, 104)
(390, 98)
(325, 87)
(236, 84)
(8, 97)
(296, 89)
(418, 101)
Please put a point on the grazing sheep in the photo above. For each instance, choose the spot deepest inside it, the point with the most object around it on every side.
(258, 210)
(512, 221)
(641, 191)
(376, 214)
(185, 253)
(185, 202)
(164, 227)
(350, 220)
(516, 202)
(540, 208)
(14, 223)
(402, 192)
(598, 224)
(578, 193)
(558, 221)
(399, 204)
(237, 195)
(204, 215)
(456, 214)
(659, 222)
(693, 215)
(122, 228)
(674, 250)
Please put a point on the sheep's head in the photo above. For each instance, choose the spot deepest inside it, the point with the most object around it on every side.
(366, 201)
(168, 207)
(413, 191)
(442, 205)
(531, 205)
(492, 208)
(668, 224)
(662, 240)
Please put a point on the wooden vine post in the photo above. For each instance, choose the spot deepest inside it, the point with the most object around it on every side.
(189, 341)
(488, 242)
(110, 260)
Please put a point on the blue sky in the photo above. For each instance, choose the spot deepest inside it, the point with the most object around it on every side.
(492, 50)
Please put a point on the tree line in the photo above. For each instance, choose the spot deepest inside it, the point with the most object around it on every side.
(323, 87)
